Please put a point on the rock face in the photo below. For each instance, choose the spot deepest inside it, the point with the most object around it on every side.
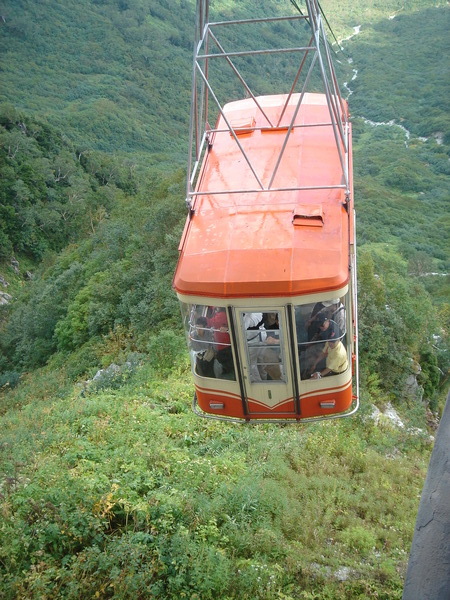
(107, 373)
(412, 388)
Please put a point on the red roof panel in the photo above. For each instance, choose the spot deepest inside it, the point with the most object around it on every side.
(246, 244)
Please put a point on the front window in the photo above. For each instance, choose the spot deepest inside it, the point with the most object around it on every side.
(263, 337)
(321, 336)
(209, 340)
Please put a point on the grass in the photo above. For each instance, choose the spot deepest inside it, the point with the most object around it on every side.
(125, 493)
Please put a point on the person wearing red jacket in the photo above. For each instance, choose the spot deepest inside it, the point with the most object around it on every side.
(219, 324)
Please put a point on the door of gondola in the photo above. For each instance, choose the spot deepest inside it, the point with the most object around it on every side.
(266, 366)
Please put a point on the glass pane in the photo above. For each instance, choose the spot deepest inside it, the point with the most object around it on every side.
(264, 346)
(321, 338)
(209, 340)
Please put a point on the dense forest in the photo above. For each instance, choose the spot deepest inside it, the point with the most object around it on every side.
(109, 486)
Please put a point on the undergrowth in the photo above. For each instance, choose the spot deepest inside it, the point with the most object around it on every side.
(122, 492)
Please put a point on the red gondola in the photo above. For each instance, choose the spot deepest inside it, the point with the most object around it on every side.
(267, 268)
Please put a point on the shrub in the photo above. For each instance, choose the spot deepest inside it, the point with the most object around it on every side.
(164, 350)
(359, 539)
(9, 379)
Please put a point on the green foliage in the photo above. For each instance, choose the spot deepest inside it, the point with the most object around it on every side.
(125, 83)
(112, 88)
(115, 493)
(49, 194)
(396, 319)
(164, 351)
(430, 376)
(82, 362)
(28, 336)
(408, 86)
(9, 379)
(359, 539)
(412, 208)
(120, 276)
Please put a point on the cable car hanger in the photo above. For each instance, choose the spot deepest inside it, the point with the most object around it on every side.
(209, 48)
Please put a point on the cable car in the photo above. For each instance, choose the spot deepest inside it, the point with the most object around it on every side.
(266, 276)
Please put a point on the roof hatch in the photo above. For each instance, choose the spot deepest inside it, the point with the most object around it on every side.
(307, 215)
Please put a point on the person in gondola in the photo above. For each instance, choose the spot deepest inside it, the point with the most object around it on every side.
(202, 342)
(269, 358)
(336, 360)
(327, 328)
(263, 340)
(312, 358)
(326, 358)
(223, 365)
(331, 309)
(201, 337)
(253, 323)
(219, 324)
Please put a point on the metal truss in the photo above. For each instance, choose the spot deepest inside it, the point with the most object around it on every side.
(310, 54)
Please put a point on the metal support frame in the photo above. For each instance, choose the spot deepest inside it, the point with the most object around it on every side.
(209, 47)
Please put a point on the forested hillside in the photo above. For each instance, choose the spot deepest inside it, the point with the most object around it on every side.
(109, 75)
(109, 487)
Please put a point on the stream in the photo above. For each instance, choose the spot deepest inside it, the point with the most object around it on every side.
(346, 85)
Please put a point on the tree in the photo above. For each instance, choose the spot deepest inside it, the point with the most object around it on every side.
(396, 316)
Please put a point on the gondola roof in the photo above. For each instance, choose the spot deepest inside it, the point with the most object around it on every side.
(243, 242)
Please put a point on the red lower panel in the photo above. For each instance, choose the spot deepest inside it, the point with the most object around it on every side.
(330, 402)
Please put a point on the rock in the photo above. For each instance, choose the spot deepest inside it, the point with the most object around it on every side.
(113, 369)
(415, 367)
(5, 298)
(15, 265)
(393, 417)
(343, 573)
(412, 388)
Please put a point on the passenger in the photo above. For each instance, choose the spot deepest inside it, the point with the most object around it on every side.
(328, 329)
(269, 359)
(262, 332)
(331, 309)
(219, 324)
(336, 360)
(335, 311)
(223, 365)
(202, 343)
(202, 337)
(312, 357)
(272, 327)
(252, 324)
(311, 324)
